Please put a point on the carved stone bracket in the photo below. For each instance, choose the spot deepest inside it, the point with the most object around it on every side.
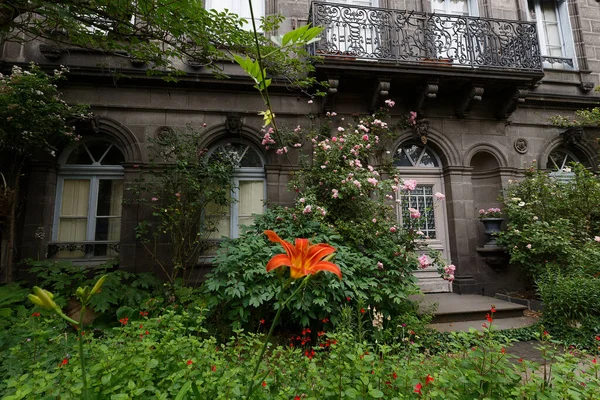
(234, 124)
(510, 101)
(51, 51)
(427, 91)
(332, 90)
(573, 135)
(586, 86)
(382, 91)
(421, 129)
(470, 94)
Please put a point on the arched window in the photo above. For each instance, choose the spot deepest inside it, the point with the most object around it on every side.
(87, 217)
(560, 158)
(421, 163)
(249, 187)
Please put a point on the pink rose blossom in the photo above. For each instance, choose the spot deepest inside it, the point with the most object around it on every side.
(439, 196)
(597, 238)
(450, 278)
(423, 262)
(390, 103)
(310, 102)
(374, 220)
(409, 184)
(414, 213)
(393, 229)
(155, 199)
(177, 194)
(529, 246)
(379, 265)
(357, 183)
(365, 137)
(334, 193)
(307, 210)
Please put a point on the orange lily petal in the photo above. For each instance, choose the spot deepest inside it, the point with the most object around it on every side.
(326, 266)
(303, 258)
(319, 251)
(278, 261)
(273, 237)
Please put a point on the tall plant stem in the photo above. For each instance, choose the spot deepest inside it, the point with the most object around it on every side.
(81, 356)
(275, 320)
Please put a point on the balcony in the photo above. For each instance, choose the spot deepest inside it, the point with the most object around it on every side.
(410, 37)
(367, 51)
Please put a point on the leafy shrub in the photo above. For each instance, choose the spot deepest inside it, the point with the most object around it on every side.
(240, 288)
(572, 306)
(554, 222)
(121, 288)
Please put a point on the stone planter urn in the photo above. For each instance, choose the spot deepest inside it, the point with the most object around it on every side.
(492, 228)
(492, 254)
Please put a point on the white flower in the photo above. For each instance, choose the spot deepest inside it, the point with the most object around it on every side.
(521, 204)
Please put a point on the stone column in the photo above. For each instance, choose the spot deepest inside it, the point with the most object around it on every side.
(462, 227)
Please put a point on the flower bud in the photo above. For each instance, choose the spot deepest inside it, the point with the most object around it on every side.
(98, 285)
(42, 298)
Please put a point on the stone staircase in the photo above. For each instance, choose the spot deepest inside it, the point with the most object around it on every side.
(455, 312)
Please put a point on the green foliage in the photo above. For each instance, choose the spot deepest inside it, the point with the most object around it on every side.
(34, 116)
(10, 297)
(179, 188)
(168, 355)
(572, 306)
(153, 32)
(120, 289)
(240, 287)
(554, 223)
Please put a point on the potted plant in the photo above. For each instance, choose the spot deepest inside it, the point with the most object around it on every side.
(492, 221)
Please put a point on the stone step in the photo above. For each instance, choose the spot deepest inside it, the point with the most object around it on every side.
(453, 307)
(498, 323)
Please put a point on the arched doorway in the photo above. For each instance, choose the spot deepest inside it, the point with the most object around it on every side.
(421, 163)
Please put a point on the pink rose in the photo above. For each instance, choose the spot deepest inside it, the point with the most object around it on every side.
(423, 262)
(414, 213)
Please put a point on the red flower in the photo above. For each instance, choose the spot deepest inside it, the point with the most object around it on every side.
(303, 259)
(297, 398)
(418, 387)
(262, 321)
(35, 314)
(362, 310)
(144, 313)
(489, 318)
(189, 362)
(493, 310)
(124, 320)
(521, 359)
(325, 320)
(597, 337)
(394, 375)
(428, 379)
(214, 368)
(594, 361)
(503, 351)
(65, 361)
(348, 298)
(264, 384)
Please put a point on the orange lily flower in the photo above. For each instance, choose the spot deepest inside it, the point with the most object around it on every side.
(303, 258)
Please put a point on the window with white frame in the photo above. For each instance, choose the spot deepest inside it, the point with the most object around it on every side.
(554, 31)
(241, 8)
(249, 188)
(421, 163)
(87, 217)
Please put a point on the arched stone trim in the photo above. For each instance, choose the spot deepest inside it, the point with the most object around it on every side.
(219, 133)
(445, 149)
(486, 148)
(122, 137)
(587, 151)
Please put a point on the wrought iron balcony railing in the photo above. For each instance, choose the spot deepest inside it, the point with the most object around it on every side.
(400, 36)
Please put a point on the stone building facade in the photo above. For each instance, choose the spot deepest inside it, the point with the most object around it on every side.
(484, 77)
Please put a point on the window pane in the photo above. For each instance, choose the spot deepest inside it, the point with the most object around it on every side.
(79, 156)
(113, 157)
(220, 216)
(70, 231)
(75, 198)
(421, 199)
(110, 197)
(251, 201)
(108, 229)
